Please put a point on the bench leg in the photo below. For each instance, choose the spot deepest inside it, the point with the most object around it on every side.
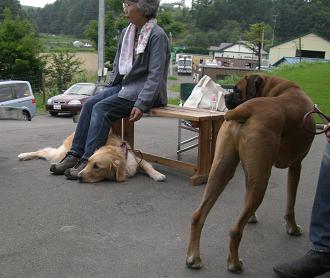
(125, 130)
(204, 158)
(128, 132)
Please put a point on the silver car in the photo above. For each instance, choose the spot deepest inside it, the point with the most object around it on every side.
(18, 94)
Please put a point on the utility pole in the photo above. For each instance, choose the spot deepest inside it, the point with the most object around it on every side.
(300, 50)
(171, 66)
(262, 47)
(273, 36)
(100, 48)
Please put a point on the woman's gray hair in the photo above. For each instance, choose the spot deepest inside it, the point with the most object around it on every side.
(148, 7)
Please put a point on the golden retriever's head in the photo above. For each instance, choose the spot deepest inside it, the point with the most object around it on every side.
(106, 163)
(246, 88)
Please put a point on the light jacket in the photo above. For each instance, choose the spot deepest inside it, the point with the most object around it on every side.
(146, 82)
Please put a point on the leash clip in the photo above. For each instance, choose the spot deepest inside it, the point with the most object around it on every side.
(324, 118)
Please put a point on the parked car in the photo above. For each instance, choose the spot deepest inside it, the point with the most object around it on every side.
(72, 100)
(18, 94)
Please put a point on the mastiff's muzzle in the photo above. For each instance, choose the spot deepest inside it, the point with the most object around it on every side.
(247, 88)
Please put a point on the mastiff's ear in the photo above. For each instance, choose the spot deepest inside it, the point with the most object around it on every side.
(254, 85)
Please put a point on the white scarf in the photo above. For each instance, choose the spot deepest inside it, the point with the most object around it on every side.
(127, 48)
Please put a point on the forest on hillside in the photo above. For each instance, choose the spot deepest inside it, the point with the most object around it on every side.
(206, 22)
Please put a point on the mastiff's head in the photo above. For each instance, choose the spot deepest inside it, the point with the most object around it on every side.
(246, 88)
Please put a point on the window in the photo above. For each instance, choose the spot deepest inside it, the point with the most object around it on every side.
(310, 54)
(184, 63)
(6, 93)
(81, 89)
(22, 90)
(248, 65)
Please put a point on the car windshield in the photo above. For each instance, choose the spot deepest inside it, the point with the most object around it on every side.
(184, 63)
(99, 89)
(81, 89)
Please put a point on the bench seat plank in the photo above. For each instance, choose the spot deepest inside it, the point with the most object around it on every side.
(206, 121)
(190, 114)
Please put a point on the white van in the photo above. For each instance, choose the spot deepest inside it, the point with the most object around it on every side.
(18, 94)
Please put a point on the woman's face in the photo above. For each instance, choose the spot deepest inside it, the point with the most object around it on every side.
(133, 13)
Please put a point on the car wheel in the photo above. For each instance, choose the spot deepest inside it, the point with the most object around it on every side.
(26, 116)
(53, 113)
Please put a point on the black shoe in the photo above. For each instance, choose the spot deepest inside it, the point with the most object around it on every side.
(72, 173)
(67, 162)
(312, 264)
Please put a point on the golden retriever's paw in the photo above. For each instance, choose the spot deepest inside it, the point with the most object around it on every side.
(158, 177)
(194, 262)
(23, 156)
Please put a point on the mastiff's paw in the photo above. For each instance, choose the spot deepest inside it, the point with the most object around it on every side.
(194, 262)
(294, 230)
(235, 267)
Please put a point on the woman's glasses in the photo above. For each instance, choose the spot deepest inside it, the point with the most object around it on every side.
(128, 3)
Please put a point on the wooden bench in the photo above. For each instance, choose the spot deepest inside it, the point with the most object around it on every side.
(208, 124)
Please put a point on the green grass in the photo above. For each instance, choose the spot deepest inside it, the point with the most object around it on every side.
(62, 42)
(41, 109)
(313, 78)
(172, 78)
(175, 88)
(229, 80)
(174, 101)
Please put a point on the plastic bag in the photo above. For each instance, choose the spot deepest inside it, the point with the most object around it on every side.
(204, 92)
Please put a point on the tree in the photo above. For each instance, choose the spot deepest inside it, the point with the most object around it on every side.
(62, 68)
(19, 51)
(13, 5)
(114, 23)
(256, 36)
(166, 21)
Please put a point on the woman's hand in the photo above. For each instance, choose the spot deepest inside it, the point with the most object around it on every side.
(136, 115)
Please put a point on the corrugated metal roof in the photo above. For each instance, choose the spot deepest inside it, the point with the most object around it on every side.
(296, 60)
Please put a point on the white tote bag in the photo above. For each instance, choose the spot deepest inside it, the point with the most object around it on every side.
(202, 94)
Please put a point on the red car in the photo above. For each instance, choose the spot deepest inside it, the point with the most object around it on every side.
(71, 101)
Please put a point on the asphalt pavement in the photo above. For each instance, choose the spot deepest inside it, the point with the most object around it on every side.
(53, 227)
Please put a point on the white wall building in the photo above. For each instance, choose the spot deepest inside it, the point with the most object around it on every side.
(239, 50)
(308, 46)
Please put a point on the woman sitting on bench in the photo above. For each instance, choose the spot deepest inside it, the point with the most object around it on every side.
(137, 83)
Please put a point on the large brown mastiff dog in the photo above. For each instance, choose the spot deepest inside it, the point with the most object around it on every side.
(265, 129)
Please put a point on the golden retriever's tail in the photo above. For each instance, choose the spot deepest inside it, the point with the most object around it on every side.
(240, 114)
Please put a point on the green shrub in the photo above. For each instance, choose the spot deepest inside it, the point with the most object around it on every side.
(232, 79)
(174, 101)
(175, 88)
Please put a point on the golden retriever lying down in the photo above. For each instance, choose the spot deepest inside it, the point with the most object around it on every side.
(114, 161)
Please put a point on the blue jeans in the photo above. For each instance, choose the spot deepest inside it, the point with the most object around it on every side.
(319, 232)
(96, 117)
